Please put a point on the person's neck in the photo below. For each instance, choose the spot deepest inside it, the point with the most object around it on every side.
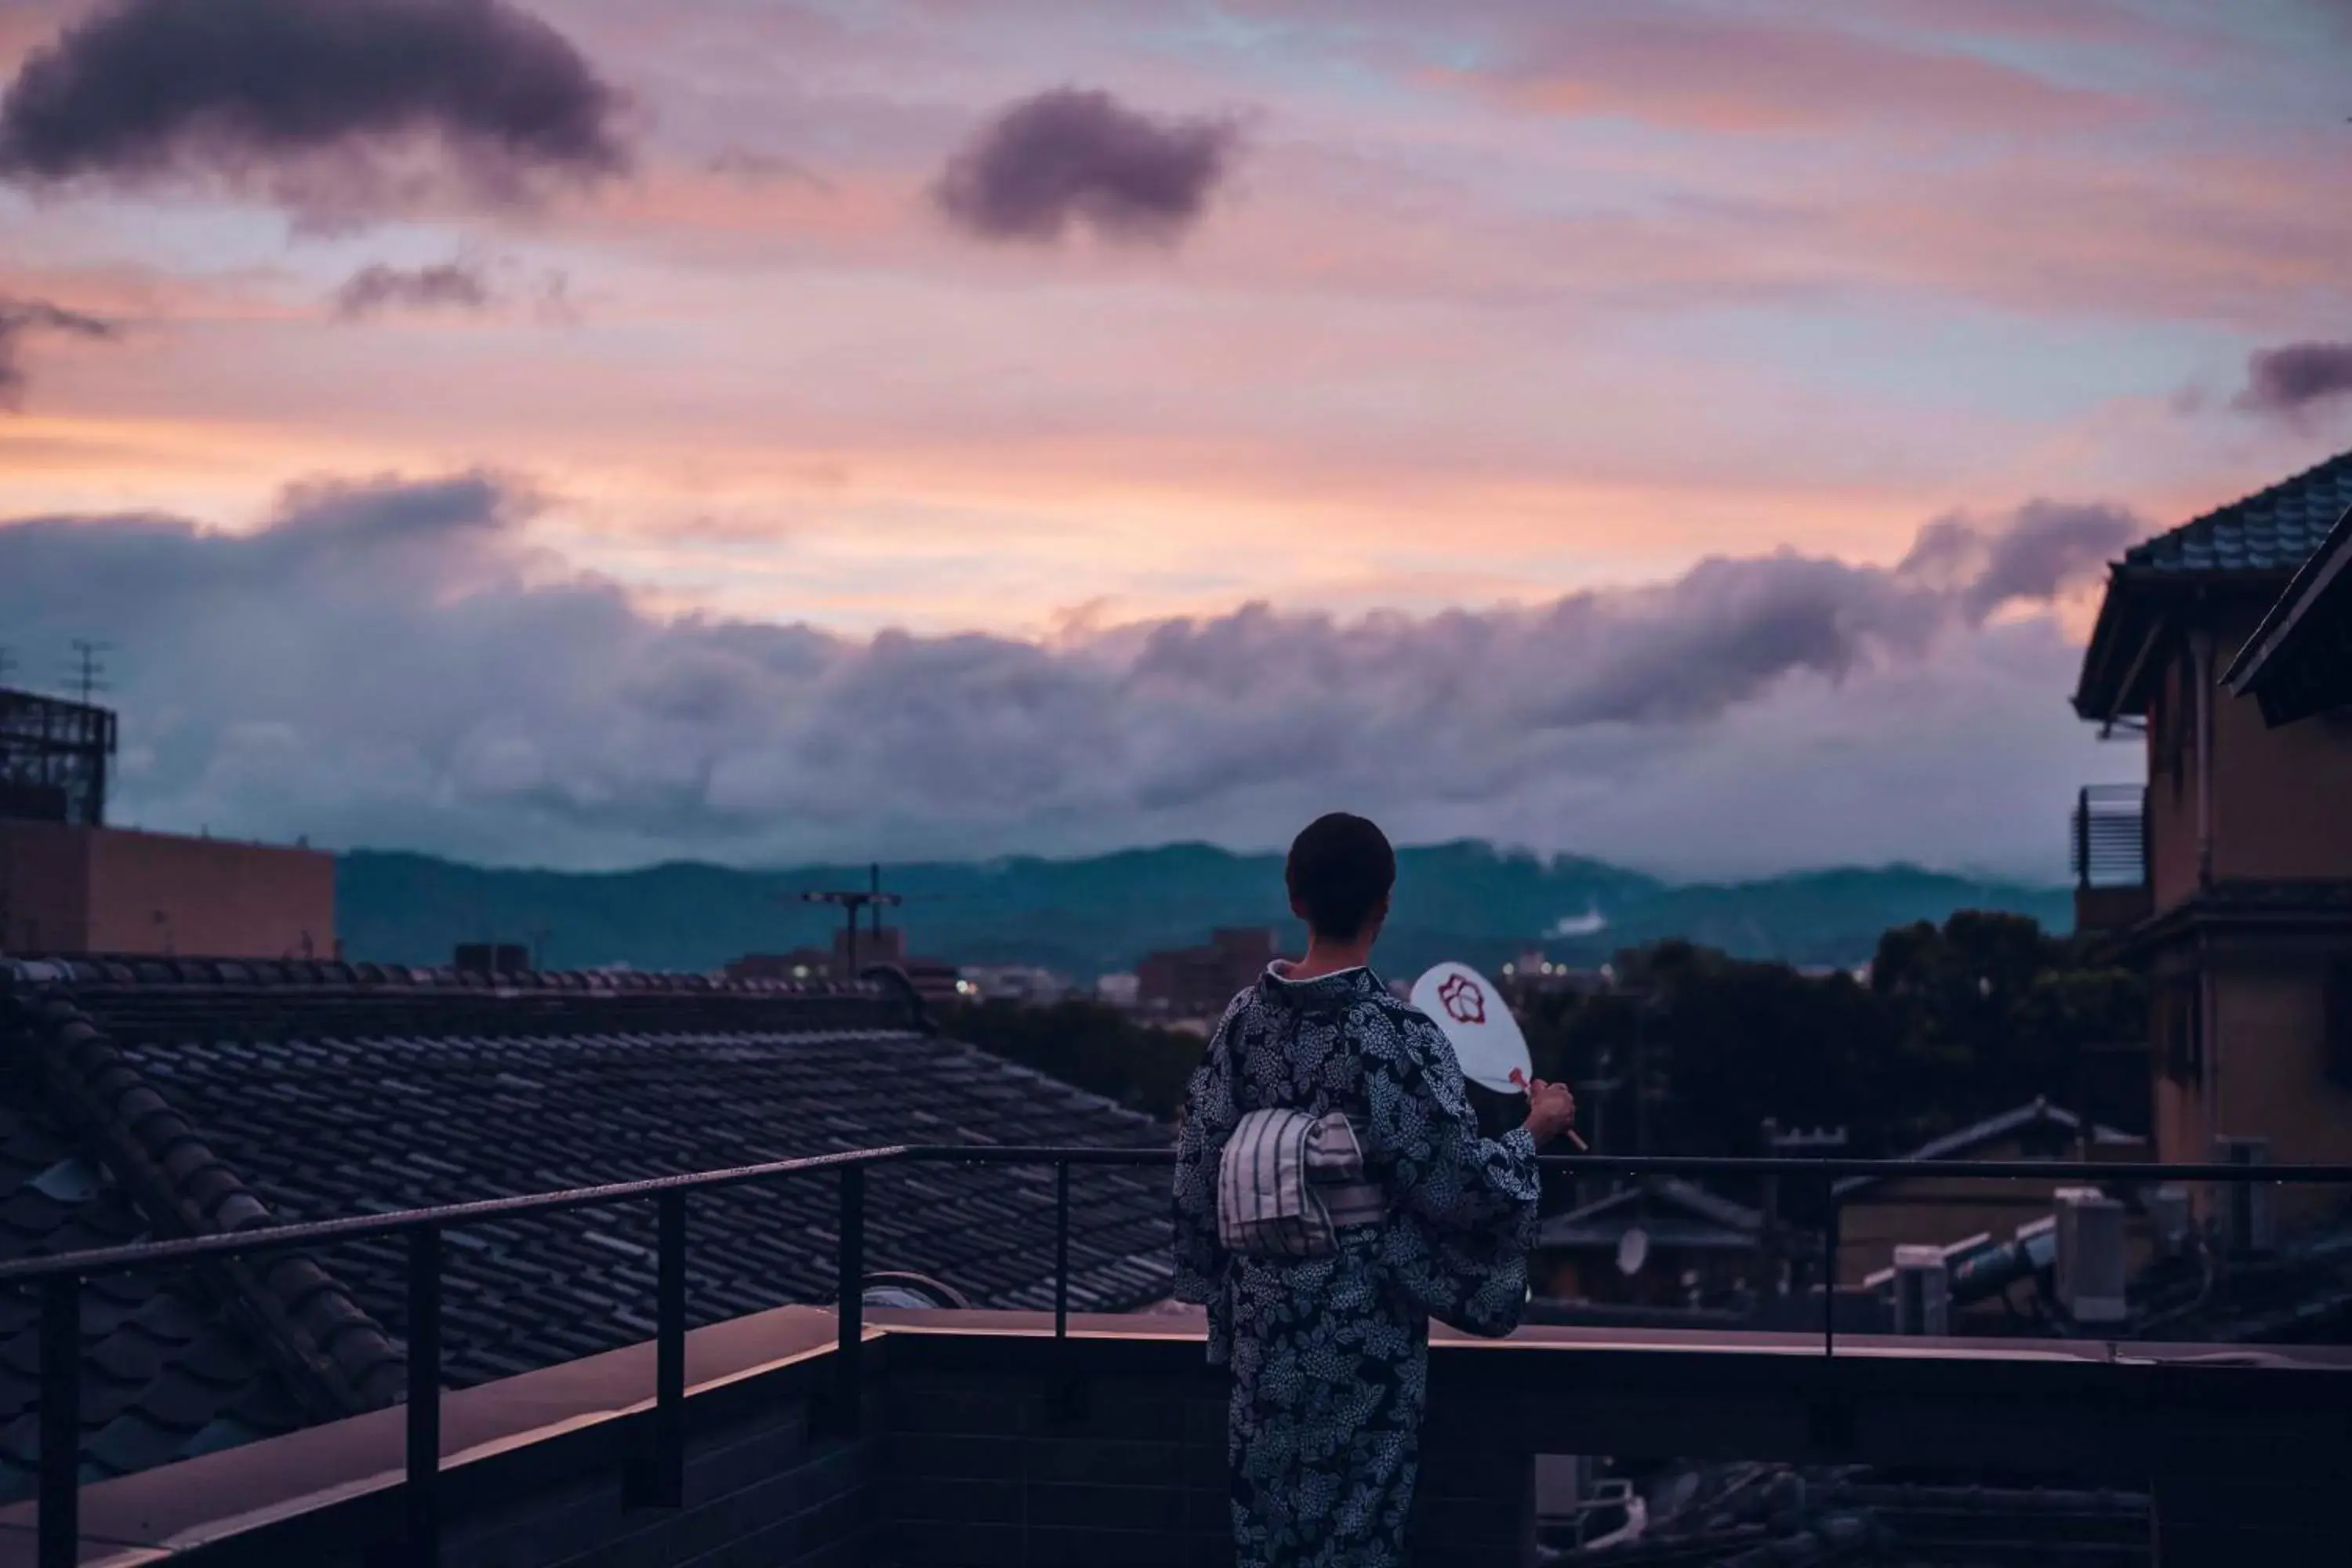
(1325, 956)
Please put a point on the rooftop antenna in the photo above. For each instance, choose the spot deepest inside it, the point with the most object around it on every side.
(851, 901)
(89, 675)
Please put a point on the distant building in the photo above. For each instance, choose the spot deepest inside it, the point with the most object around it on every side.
(1663, 1242)
(54, 758)
(934, 979)
(1118, 990)
(2226, 877)
(69, 889)
(1533, 973)
(1878, 1214)
(1024, 982)
(1198, 982)
(71, 886)
(801, 963)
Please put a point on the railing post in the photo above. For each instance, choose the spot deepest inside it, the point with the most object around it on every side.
(60, 1530)
(1061, 1250)
(1829, 1268)
(424, 1488)
(2083, 836)
(849, 1268)
(668, 1475)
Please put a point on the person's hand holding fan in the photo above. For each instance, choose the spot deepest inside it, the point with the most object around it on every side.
(1486, 1041)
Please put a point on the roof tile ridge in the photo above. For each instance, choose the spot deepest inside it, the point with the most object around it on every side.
(336, 1358)
(2271, 491)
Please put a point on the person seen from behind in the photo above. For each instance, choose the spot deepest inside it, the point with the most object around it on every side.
(1332, 1195)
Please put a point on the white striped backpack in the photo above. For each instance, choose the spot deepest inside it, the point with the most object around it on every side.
(1287, 1182)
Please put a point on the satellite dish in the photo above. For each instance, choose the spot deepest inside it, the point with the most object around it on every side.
(1633, 1250)
(1469, 1012)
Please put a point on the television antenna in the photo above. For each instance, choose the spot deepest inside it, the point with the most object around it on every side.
(89, 674)
(851, 901)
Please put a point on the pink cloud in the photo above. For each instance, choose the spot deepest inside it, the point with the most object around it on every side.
(1721, 73)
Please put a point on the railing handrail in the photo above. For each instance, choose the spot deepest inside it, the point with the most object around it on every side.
(99, 1261)
(659, 1478)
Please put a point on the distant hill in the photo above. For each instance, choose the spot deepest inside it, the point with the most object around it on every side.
(1465, 900)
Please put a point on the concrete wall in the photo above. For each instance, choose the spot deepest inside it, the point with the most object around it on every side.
(2278, 795)
(44, 888)
(989, 1465)
(82, 890)
(2268, 1058)
(2273, 1081)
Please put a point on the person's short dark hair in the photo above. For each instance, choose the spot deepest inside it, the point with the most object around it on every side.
(1340, 870)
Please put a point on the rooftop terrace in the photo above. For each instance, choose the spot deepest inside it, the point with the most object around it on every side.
(700, 1428)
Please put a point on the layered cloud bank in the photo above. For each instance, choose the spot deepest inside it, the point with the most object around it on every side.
(397, 663)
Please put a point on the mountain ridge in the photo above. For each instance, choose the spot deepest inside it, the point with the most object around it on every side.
(1090, 915)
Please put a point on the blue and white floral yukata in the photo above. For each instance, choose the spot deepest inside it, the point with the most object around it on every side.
(1330, 1355)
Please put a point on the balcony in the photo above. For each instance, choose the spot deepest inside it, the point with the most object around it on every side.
(857, 1435)
(2110, 856)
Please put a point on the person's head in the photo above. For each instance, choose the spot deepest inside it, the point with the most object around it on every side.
(1339, 873)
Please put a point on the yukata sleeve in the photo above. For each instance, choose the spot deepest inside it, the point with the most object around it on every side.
(1467, 1204)
(1423, 1135)
(1209, 1114)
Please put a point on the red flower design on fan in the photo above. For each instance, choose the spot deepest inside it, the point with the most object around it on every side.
(1464, 1001)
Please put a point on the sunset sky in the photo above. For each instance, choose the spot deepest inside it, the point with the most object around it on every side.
(1686, 432)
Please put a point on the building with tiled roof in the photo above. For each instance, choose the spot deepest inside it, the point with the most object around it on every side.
(2250, 549)
(157, 1098)
(2227, 878)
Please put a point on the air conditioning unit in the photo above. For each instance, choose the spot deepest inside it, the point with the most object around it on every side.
(2090, 1273)
(2170, 1223)
(2249, 1219)
(1923, 1295)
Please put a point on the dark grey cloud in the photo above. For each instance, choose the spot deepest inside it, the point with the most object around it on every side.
(323, 103)
(23, 319)
(2293, 377)
(395, 663)
(2045, 547)
(445, 285)
(1072, 156)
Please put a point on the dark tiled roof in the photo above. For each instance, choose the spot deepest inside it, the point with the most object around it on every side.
(164, 1376)
(2275, 529)
(1674, 1213)
(2035, 1115)
(272, 1094)
(2251, 546)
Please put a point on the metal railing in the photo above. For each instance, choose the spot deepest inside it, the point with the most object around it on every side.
(2110, 845)
(60, 1280)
